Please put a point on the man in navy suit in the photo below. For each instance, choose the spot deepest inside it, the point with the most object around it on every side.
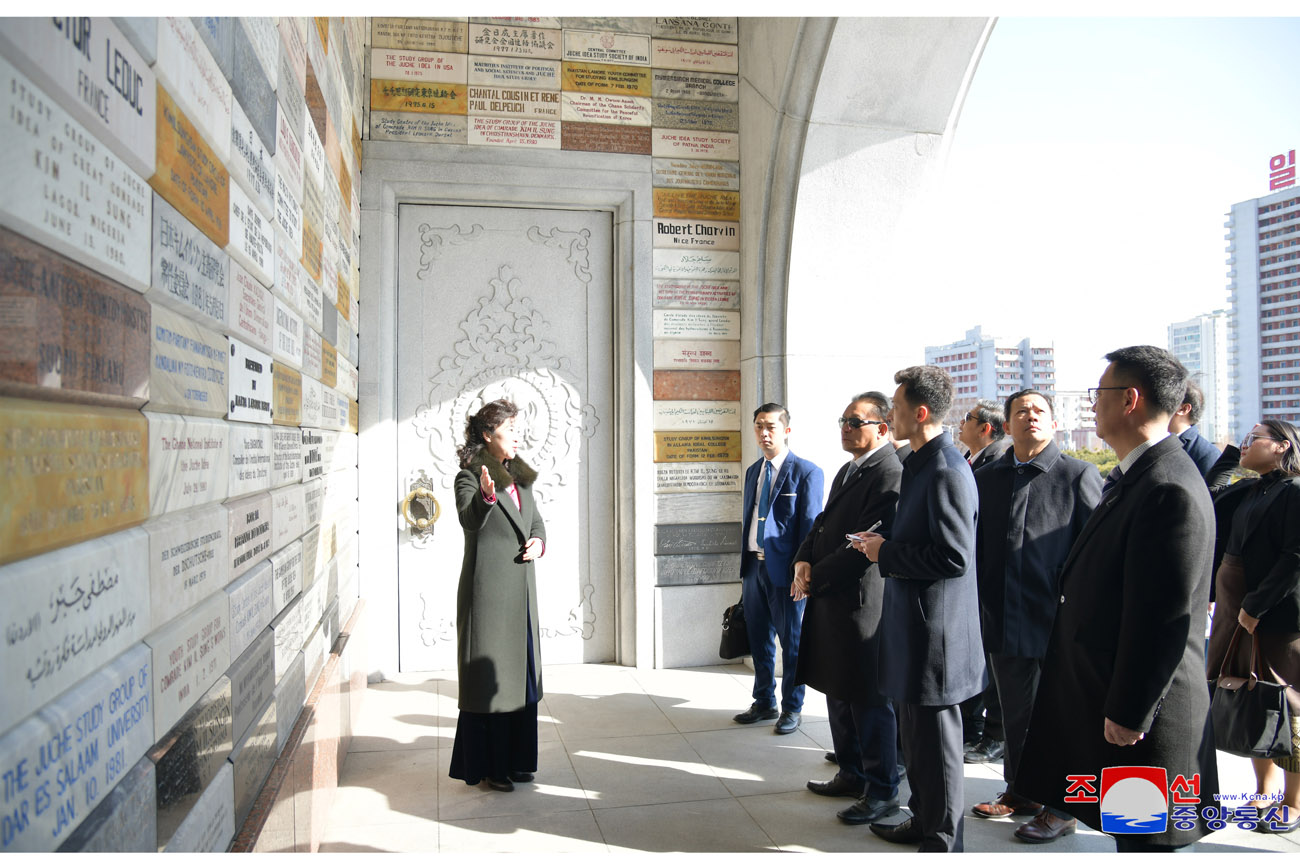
(783, 496)
(1183, 425)
(931, 656)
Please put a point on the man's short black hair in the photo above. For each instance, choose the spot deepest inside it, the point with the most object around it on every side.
(1025, 392)
(774, 407)
(990, 413)
(875, 398)
(1159, 377)
(1195, 398)
(927, 385)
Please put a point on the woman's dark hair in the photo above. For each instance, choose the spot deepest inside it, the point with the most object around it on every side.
(1284, 431)
(485, 420)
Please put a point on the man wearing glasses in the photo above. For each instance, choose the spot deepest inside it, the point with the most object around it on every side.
(983, 432)
(1123, 681)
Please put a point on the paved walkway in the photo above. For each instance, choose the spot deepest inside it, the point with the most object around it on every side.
(639, 761)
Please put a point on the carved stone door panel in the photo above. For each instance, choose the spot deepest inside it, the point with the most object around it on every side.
(517, 303)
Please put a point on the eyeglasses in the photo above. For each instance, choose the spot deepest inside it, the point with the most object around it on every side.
(970, 417)
(1251, 439)
(1093, 392)
(855, 423)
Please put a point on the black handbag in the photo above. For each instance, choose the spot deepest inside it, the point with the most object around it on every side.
(735, 636)
(1251, 717)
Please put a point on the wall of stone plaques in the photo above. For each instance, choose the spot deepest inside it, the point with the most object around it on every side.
(178, 450)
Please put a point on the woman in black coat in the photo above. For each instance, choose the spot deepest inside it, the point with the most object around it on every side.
(497, 646)
(1258, 589)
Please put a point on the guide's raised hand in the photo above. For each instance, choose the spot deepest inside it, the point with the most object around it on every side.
(487, 485)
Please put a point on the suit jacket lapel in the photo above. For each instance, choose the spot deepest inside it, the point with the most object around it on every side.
(787, 468)
(1111, 499)
(507, 505)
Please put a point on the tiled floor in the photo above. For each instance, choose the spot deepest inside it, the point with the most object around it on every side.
(639, 761)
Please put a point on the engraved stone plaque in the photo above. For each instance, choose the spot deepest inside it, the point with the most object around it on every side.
(604, 78)
(621, 25)
(698, 29)
(186, 68)
(697, 354)
(514, 102)
(311, 356)
(697, 294)
(312, 402)
(286, 456)
(593, 46)
(697, 115)
(697, 538)
(210, 824)
(313, 154)
(514, 132)
(315, 497)
(293, 46)
(697, 415)
(65, 612)
(288, 153)
(60, 764)
(289, 635)
(68, 473)
(696, 145)
(603, 138)
(696, 447)
(696, 173)
(698, 477)
(313, 455)
(395, 64)
(189, 461)
(253, 758)
(514, 72)
(66, 333)
(251, 531)
(252, 237)
(190, 756)
(288, 508)
(189, 656)
(705, 204)
(288, 221)
(696, 234)
(189, 366)
(697, 264)
(418, 96)
(98, 76)
(707, 324)
(143, 34)
(252, 678)
(249, 384)
(191, 274)
(250, 459)
(426, 128)
(287, 574)
(252, 87)
(290, 695)
(606, 108)
(696, 56)
(126, 820)
(697, 569)
(250, 309)
(696, 385)
(347, 380)
(329, 409)
(420, 34)
(264, 38)
(189, 173)
(218, 34)
(313, 217)
(514, 41)
(189, 559)
(698, 507)
(252, 165)
(252, 600)
(683, 84)
(552, 23)
(66, 189)
(286, 400)
(287, 338)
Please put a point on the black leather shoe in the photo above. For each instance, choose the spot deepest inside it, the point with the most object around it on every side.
(838, 787)
(521, 777)
(755, 713)
(501, 784)
(1045, 827)
(984, 751)
(905, 833)
(787, 724)
(868, 809)
(830, 758)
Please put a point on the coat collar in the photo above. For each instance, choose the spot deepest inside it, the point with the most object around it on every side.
(1044, 460)
(518, 472)
(917, 459)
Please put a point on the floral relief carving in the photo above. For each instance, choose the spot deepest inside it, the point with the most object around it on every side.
(434, 238)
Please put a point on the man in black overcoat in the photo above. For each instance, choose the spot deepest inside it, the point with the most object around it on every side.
(1123, 682)
(840, 643)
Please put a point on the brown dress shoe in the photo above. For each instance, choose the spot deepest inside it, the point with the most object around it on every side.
(1006, 805)
(1045, 828)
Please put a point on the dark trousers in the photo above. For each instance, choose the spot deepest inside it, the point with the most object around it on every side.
(771, 613)
(932, 748)
(865, 745)
(1017, 684)
(981, 715)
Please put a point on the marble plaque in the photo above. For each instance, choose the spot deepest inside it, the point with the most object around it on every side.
(313, 153)
(697, 294)
(313, 453)
(67, 333)
(252, 88)
(60, 764)
(57, 627)
(420, 34)
(288, 507)
(514, 132)
(124, 821)
(66, 189)
(707, 324)
(697, 447)
(514, 72)
(143, 34)
(696, 174)
(252, 679)
(696, 114)
(249, 384)
(683, 84)
(515, 41)
(329, 409)
(395, 64)
(696, 56)
(514, 102)
(189, 654)
(189, 461)
(96, 73)
(248, 315)
(696, 234)
(605, 138)
(328, 365)
(288, 153)
(290, 694)
(696, 145)
(287, 574)
(264, 38)
(552, 23)
(697, 415)
(697, 538)
(190, 273)
(696, 385)
(342, 410)
(286, 456)
(317, 112)
(698, 507)
(286, 400)
(287, 345)
(698, 29)
(354, 416)
(250, 459)
(696, 265)
(253, 758)
(189, 366)
(314, 498)
(603, 78)
(696, 354)
(347, 380)
(417, 96)
(426, 128)
(621, 25)
(68, 473)
(190, 757)
(189, 173)
(252, 607)
(252, 237)
(705, 204)
(698, 477)
(288, 235)
(210, 823)
(697, 569)
(218, 34)
(313, 217)
(189, 73)
(605, 108)
(252, 165)
(311, 357)
(293, 46)
(189, 559)
(251, 532)
(593, 46)
(289, 635)
(312, 402)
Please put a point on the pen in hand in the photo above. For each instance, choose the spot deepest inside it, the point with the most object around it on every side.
(852, 538)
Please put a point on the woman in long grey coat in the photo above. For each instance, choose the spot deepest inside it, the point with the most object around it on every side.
(497, 654)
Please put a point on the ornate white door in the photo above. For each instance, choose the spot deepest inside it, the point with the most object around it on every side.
(518, 303)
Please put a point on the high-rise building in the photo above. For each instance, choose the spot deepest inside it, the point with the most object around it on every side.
(994, 368)
(1076, 422)
(1264, 291)
(1201, 343)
